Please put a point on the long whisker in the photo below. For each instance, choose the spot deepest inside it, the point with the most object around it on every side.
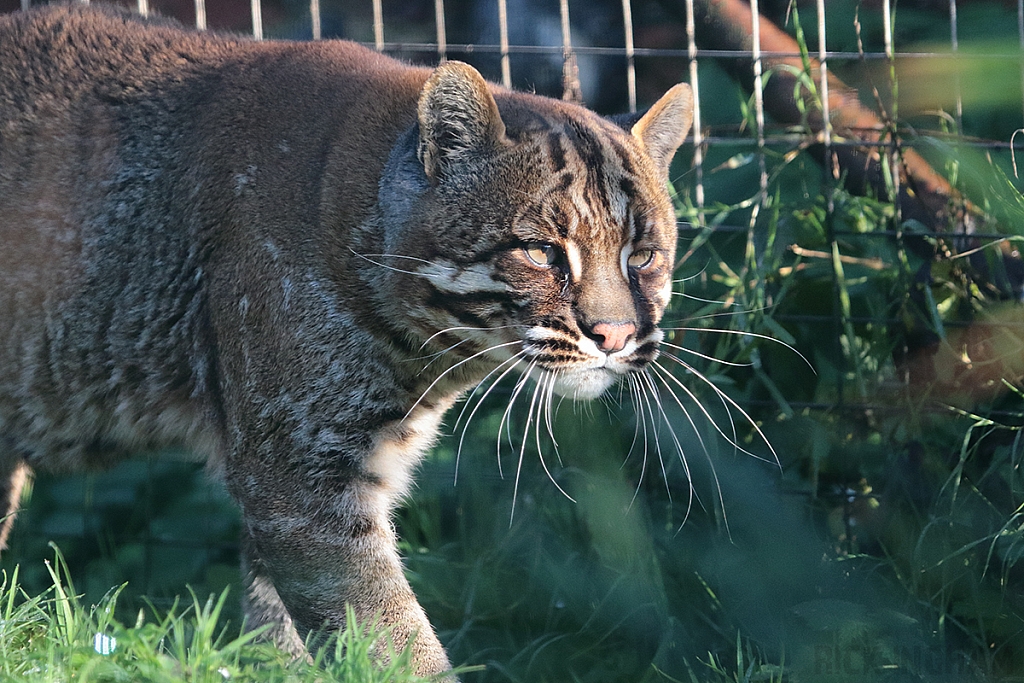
(722, 314)
(504, 423)
(544, 387)
(549, 415)
(706, 357)
(461, 362)
(646, 394)
(686, 413)
(463, 328)
(514, 360)
(366, 257)
(630, 382)
(522, 448)
(434, 356)
(691, 277)
(691, 297)
(741, 333)
(652, 391)
(725, 397)
(734, 441)
(634, 394)
(718, 394)
(696, 431)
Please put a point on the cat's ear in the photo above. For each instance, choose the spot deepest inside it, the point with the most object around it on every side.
(665, 125)
(458, 119)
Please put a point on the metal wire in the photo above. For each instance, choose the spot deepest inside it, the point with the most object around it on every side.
(442, 40)
(954, 44)
(256, 10)
(627, 22)
(755, 48)
(200, 7)
(314, 17)
(506, 66)
(378, 25)
(570, 69)
(698, 143)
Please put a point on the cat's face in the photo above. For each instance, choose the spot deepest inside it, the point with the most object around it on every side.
(554, 238)
(590, 256)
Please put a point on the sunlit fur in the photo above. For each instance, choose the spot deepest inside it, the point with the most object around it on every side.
(292, 259)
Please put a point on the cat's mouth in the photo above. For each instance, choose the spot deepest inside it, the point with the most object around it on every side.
(588, 372)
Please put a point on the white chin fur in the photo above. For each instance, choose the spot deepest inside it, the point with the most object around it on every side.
(584, 384)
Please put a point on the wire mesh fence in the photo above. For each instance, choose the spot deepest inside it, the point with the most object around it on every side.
(850, 188)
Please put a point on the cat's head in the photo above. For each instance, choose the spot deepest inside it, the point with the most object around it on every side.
(552, 236)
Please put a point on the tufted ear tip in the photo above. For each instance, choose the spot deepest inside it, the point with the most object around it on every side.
(458, 118)
(665, 125)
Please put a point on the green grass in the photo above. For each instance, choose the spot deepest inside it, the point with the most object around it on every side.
(55, 636)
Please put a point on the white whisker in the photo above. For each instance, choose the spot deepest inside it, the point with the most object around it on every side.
(505, 423)
(652, 392)
(366, 257)
(691, 277)
(550, 414)
(522, 449)
(744, 334)
(721, 314)
(544, 388)
(514, 360)
(470, 329)
(706, 357)
(434, 356)
(703, 301)
(725, 397)
(696, 431)
(461, 362)
(714, 423)
(634, 392)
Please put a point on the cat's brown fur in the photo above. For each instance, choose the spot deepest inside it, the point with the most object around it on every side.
(292, 258)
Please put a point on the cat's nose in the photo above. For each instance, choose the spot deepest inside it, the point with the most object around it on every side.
(612, 337)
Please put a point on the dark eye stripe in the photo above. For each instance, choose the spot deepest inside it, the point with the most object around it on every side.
(461, 306)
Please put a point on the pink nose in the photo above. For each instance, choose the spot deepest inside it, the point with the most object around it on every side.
(612, 337)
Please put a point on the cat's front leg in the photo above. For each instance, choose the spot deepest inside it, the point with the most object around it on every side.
(318, 545)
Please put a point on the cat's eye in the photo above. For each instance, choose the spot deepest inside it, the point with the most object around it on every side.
(641, 258)
(543, 254)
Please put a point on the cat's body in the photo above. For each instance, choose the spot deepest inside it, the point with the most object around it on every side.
(291, 259)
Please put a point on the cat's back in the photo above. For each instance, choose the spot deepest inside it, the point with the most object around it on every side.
(96, 101)
(53, 56)
(56, 55)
